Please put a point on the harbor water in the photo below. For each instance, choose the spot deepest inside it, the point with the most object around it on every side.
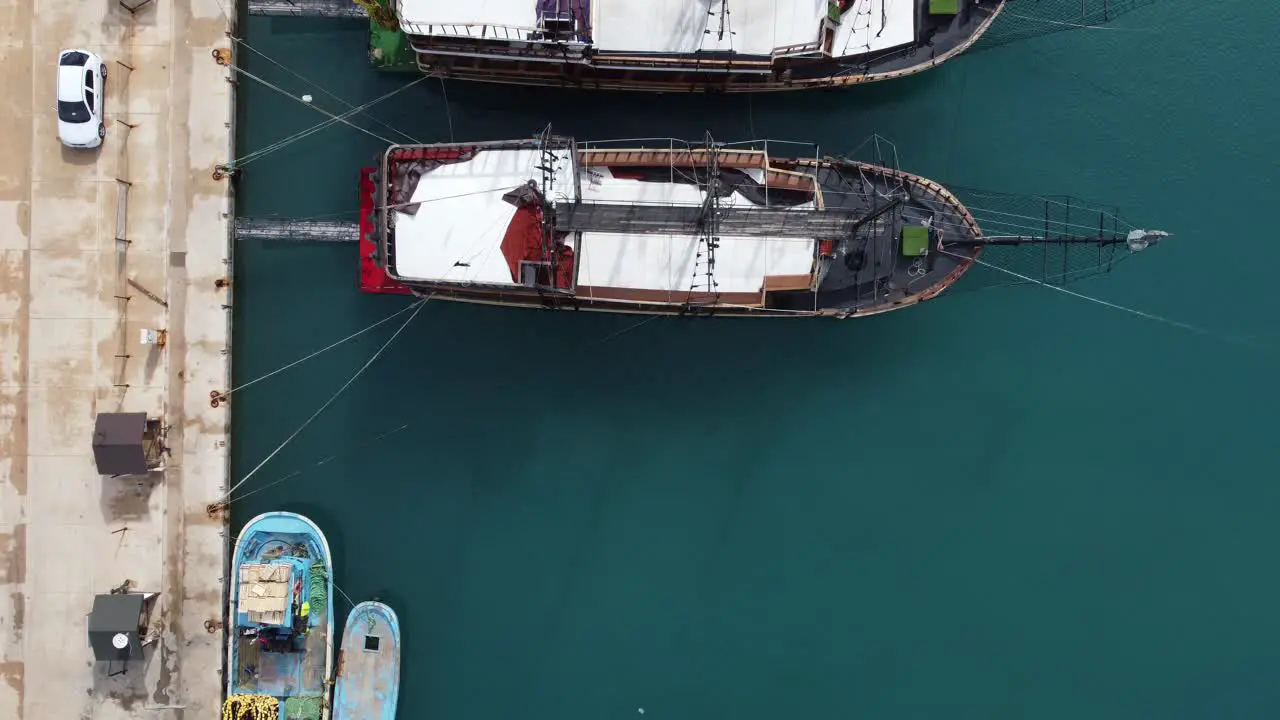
(1006, 503)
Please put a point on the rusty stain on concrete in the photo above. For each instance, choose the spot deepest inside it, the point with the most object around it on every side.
(57, 210)
(18, 602)
(14, 674)
(24, 218)
(15, 448)
(13, 548)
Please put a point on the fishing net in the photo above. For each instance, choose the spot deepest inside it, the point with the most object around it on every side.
(318, 587)
(302, 708)
(1024, 19)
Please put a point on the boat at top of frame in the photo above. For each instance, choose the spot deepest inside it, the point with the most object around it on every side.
(667, 227)
(687, 45)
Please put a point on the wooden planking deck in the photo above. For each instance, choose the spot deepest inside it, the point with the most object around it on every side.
(685, 220)
(313, 671)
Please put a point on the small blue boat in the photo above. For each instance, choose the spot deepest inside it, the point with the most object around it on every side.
(280, 643)
(368, 682)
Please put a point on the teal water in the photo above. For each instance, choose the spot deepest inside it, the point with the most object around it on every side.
(1009, 503)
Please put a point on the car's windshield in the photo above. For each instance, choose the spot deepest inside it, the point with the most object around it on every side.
(73, 112)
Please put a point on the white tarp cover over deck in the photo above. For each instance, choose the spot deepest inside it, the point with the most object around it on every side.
(668, 262)
(457, 232)
(264, 592)
(754, 27)
(510, 13)
(870, 25)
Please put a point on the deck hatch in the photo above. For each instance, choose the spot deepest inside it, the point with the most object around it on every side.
(915, 240)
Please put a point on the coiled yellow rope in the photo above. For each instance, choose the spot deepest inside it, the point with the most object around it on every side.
(251, 707)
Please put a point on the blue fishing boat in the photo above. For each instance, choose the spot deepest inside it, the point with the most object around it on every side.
(368, 682)
(280, 643)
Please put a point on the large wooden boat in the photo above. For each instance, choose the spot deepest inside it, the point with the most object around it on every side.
(665, 227)
(689, 45)
(280, 639)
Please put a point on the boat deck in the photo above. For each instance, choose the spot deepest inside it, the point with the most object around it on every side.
(373, 278)
(672, 46)
(685, 220)
(283, 674)
(265, 663)
(367, 686)
(665, 226)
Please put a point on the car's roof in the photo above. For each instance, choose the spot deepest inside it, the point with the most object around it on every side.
(70, 82)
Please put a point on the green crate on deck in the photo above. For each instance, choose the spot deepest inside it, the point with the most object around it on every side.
(915, 240)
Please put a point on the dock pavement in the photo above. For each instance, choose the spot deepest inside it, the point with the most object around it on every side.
(97, 247)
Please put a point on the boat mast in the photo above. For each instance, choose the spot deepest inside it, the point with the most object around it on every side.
(547, 169)
(708, 225)
(724, 16)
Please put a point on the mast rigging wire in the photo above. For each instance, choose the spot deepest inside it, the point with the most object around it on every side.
(448, 114)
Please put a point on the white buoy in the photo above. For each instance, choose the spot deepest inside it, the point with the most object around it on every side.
(306, 98)
(640, 710)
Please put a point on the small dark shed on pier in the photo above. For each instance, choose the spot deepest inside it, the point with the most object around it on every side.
(118, 626)
(127, 444)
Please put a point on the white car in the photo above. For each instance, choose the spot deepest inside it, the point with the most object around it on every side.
(81, 84)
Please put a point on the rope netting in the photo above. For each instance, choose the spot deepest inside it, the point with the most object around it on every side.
(1024, 19)
(1083, 238)
(317, 587)
(302, 708)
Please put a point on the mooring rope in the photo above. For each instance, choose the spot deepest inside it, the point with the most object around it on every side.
(322, 350)
(326, 91)
(302, 134)
(417, 309)
(286, 93)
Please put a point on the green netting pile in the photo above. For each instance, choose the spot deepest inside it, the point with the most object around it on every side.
(318, 588)
(302, 708)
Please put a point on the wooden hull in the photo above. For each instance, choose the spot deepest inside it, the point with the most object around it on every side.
(503, 298)
(479, 62)
(701, 304)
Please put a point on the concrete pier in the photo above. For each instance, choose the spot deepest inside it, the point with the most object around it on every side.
(97, 246)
